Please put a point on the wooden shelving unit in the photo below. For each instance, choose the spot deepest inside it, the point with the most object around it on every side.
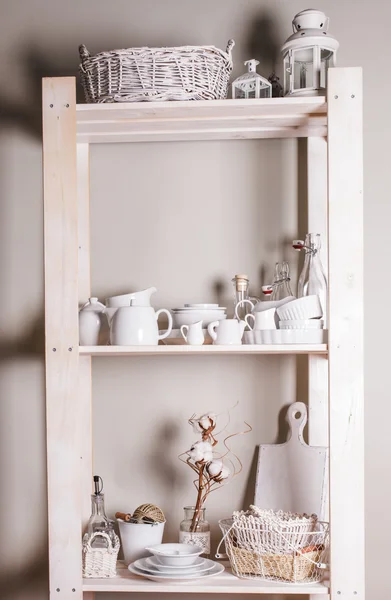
(202, 350)
(334, 166)
(226, 583)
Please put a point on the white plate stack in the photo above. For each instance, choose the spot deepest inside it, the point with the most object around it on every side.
(193, 313)
(175, 563)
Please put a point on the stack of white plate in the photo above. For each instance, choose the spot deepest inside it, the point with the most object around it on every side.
(175, 563)
(192, 313)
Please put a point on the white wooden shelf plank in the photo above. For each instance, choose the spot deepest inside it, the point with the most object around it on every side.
(226, 583)
(207, 349)
(201, 120)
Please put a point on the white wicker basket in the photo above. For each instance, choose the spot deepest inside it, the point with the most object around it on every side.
(142, 74)
(276, 546)
(100, 562)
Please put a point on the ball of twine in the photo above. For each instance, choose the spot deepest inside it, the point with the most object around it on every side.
(151, 511)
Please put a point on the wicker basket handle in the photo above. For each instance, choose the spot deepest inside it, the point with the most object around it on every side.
(230, 45)
(220, 555)
(84, 54)
(101, 534)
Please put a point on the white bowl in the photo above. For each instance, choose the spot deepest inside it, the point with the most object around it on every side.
(207, 306)
(302, 324)
(193, 316)
(190, 308)
(267, 304)
(176, 555)
(308, 307)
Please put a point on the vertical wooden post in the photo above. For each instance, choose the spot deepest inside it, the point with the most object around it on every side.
(317, 223)
(346, 390)
(85, 383)
(318, 370)
(61, 321)
(83, 193)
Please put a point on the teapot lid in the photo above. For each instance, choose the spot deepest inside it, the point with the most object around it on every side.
(93, 305)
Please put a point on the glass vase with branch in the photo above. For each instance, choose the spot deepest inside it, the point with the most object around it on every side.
(213, 470)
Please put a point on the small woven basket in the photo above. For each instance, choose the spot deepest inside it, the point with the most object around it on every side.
(100, 562)
(145, 74)
(277, 547)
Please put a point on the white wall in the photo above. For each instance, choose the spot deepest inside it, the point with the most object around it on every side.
(239, 198)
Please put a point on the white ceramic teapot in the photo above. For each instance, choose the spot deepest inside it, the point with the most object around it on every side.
(90, 322)
(136, 325)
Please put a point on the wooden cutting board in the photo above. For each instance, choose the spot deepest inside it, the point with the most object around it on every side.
(293, 476)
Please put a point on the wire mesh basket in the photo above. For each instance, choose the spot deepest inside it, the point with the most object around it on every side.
(275, 548)
(145, 74)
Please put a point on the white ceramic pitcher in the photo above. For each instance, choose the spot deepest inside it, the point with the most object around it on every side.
(193, 334)
(136, 325)
(228, 332)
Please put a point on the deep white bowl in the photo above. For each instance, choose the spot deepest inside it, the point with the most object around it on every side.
(190, 308)
(176, 555)
(193, 316)
(307, 307)
(302, 324)
(267, 304)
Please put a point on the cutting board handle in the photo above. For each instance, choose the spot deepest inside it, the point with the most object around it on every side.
(297, 419)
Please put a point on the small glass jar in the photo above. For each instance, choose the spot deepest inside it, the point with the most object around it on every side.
(196, 531)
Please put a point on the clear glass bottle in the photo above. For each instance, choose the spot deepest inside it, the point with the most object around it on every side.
(98, 521)
(312, 278)
(201, 535)
(281, 285)
(241, 285)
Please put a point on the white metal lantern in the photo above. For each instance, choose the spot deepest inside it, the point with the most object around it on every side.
(308, 54)
(251, 84)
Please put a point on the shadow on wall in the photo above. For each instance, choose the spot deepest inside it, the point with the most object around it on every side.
(264, 42)
(28, 580)
(38, 62)
(28, 345)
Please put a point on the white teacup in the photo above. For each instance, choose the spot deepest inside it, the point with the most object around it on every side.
(193, 334)
(227, 332)
(262, 320)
